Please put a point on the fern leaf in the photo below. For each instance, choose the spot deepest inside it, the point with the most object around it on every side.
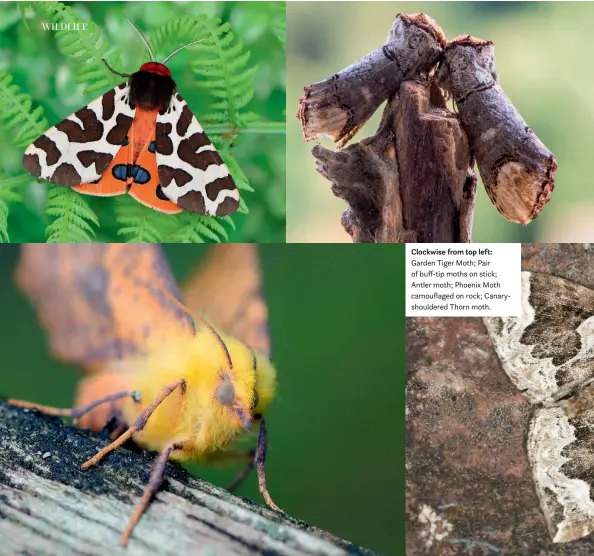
(86, 49)
(278, 12)
(195, 228)
(8, 195)
(73, 216)
(176, 32)
(16, 115)
(141, 224)
(223, 67)
(229, 221)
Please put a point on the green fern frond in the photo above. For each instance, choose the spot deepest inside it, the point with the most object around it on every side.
(175, 32)
(16, 116)
(279, 20)
(228, 220)
(141, 224)
(194, 228)
(86, 49)
(8, 195)
(223, 67)
(73, 216)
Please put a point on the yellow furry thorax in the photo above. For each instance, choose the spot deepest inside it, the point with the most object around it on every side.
(195, 417)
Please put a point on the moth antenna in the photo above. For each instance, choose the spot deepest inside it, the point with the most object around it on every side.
(143, 39)
(211, 329)
(178, 49)
(114, 71)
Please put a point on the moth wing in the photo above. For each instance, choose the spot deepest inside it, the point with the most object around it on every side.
(227, 289)
(560, 453)
(548, 351)
(192, 173)
(102, 302)
(148, 190)
(80, 148)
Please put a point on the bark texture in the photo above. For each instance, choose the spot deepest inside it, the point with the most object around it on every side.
(384, 177)
(49, 506)
(469, 487)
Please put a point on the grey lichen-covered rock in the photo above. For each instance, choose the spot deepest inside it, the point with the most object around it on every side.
(49, 506)
(470, 485)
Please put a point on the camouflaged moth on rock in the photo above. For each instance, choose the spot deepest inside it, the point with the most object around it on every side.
(548, 353)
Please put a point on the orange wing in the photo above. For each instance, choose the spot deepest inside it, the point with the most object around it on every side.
(227, 289)
(134, 168)
(101, 302)
(149, 193)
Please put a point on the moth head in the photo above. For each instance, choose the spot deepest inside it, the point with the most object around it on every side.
(152, 86)
(245, 395)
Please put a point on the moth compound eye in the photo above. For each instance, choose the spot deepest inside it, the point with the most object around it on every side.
(255, 400)
(225, 393)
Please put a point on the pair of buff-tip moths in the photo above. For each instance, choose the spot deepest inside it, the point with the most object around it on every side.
(142, 139)
(156, 372)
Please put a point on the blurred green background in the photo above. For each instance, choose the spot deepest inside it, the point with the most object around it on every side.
(336, 427)
(543, 57)
(33, 57)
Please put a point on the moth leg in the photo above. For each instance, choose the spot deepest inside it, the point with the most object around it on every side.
(259, 458)
(114, 426)
(157, 473)
(139, 423)
(244, 473)
(75, 412)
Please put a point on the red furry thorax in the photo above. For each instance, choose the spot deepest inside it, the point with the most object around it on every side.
(156, 67)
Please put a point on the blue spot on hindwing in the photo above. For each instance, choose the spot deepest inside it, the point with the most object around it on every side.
(123, 171)
(153, 147)
(160, 194)
(120, 172)
(126, 142)
(140, 175)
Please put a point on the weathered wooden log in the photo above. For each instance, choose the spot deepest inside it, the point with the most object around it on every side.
(49, 506)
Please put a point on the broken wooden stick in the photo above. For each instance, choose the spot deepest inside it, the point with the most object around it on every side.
(516, 168)
(50, 506)
(384, 177)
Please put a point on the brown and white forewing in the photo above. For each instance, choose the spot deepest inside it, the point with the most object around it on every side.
(548, 350)
(192, 173)
(80, 148)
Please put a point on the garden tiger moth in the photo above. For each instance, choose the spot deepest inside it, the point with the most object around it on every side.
(138, 138)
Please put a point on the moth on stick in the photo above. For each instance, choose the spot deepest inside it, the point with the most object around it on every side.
(166, 377)
(340, 105)
(516, 168)
(142, 139)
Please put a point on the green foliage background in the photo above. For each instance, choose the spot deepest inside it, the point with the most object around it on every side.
(336, 427)
(234, 82)
(542, 55)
